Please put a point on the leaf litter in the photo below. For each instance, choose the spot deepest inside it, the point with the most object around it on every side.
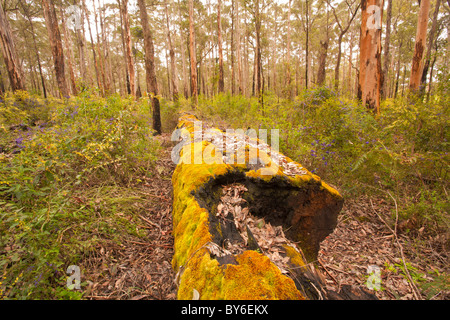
(137, 265)
(362, 239)
(257, 233)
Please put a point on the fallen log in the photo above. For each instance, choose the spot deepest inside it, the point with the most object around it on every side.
(247, 219)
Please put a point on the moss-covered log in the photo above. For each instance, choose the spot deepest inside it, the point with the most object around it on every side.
(277, 189)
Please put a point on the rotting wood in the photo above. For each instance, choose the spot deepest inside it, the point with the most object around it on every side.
(229, 255)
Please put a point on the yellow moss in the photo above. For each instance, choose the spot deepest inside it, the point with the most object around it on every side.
(255, 278)
(294, 255)
(257, 174)
(300, 180)
(331, 190)
(202, 274)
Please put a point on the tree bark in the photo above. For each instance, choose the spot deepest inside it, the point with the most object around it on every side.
(38, 59)
(307, 45)
(397, 79)
(258, 49)
(73, 84)
(56, 44)
(100, 54)
(219, 38)
(86, 12)
(105, 54)
(431, 40)
(369, 83)
(321, 73)
(173, 70)
(128, 47)
(288, 53)
(183, 57)
(421, 38)
(238, 50)
(81, 42)
(386, 50)
(192, 54)
(9, 54)
(152, 85)
(233, 49)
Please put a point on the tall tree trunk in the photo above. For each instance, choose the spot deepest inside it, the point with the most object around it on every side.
(321, 73)
(369, 85)
(128, 47)
(100, 53)
(386, 50)
(397, 79)
(350, 64)
(168, 71)
(307, 45)
(124, 49)
(421, 39)
(173, 70)
(219, 38)
(183, 57)
(423, 81)
(246, 61)
(431, 77)
(152, 85)
(9, 54)
(233, 48)
(56, 44)
(105, 53)
(67, 43)
(288, 53)
(38, 59)
(274, 59)
(192, 54)
(258, 71)
(81, 43)
(341, 36)
(86, 13)
(2, 85)
(238, 50)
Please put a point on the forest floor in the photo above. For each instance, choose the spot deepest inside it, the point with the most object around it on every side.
(362, 238)
(141, 268)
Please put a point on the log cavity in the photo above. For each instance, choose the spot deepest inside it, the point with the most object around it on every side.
(255, 233)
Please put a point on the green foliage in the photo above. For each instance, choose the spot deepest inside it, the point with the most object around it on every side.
(67, 162)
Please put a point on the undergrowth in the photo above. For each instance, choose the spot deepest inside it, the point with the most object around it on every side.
(69, 177)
